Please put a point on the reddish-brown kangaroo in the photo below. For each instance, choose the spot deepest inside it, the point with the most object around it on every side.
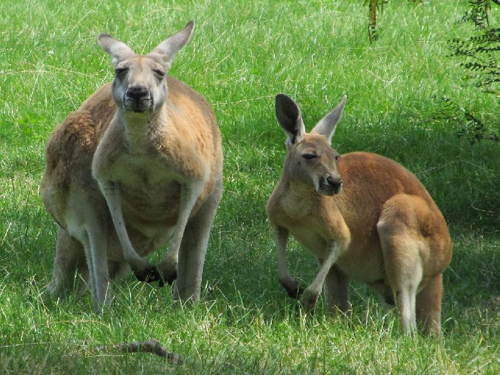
(363, 217)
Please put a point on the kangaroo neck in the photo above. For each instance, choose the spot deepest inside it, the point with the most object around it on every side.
(141, 129)
(296, 189)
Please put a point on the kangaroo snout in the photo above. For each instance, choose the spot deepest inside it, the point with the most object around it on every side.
(137, 92)
(137, 98)
(330, 185)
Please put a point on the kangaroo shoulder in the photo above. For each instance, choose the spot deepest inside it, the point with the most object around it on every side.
(75, 135)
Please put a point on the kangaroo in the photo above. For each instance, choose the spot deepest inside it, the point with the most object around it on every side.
(137, 165)
(363, 217)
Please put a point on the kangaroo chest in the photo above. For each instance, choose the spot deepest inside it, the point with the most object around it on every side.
(300, 217)
(362, 260)
(314, 228)
(149, 190)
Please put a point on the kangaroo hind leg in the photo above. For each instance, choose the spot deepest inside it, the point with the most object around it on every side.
(401, 243)
(429, 305)
(92, 233)
(337, 291)
(69, 257)
(193, 248)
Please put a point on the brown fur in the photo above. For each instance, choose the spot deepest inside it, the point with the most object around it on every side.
(384, 220)
(71, 147)
(149, 159)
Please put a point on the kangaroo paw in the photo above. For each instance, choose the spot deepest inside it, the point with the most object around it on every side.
(295, 292)
(292, 288)
(149, 274)
(169, 276)
(308, 300)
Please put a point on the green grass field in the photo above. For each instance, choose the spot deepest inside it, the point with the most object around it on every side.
(241, 55)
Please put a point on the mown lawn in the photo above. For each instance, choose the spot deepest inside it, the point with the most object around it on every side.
(242, 54)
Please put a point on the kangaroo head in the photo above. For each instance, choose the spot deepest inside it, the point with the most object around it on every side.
(310, 159)
(140, 83)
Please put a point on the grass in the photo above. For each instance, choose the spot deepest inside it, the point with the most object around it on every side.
(243, 53)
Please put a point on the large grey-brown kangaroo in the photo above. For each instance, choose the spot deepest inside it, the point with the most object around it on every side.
(137, 165)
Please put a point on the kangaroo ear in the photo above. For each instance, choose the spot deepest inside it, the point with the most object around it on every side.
(328, 124)
(118, 51)
(290, 119)
(166, 50)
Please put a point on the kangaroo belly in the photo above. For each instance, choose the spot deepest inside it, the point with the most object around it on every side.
(149, 191)
(363, 262)
(150, 206)
(145, 239)
(311, 241)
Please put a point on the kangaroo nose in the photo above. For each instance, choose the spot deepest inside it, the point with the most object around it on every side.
(335, 182)
(137, 92)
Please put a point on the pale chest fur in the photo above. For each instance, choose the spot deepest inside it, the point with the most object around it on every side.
(149, 189)
(307, 221)
(149, 180)
(314, 221)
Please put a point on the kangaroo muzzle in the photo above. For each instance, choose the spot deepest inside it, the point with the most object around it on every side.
(137, 99)
(330, 185)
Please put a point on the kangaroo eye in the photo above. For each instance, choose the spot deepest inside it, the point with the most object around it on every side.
(160, 72)
(309, 156)
(337, 157)
(119, 71)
